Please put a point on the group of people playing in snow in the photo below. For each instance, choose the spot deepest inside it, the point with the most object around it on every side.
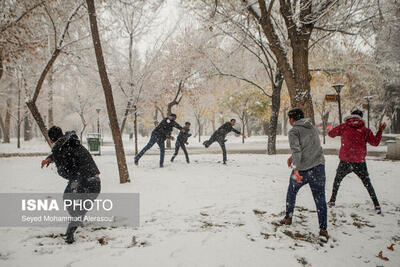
(75, 163)
(163, 132)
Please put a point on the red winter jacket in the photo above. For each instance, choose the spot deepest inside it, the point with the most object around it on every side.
(354, 139)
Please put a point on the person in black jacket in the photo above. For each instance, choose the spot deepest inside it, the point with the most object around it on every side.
(220, 134)
(74, 163)
(161, 133)
(181, 140)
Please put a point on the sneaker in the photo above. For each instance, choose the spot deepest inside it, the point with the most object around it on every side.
(331, 204)
(323, 235)
(378, 210)
(286, 221)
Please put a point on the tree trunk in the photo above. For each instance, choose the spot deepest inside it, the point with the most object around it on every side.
(19, 121)
(300, 93)
(50, 108)
(27, 128)
(135, 129)
(112, 114)
(199, 127)
(285, 122)
(7, 121)
(242, 121)
(325, 119)
(127, 110)
(38, 118)
(276, 105)
(3, 130)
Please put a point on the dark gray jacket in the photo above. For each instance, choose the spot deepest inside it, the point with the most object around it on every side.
(305, 145)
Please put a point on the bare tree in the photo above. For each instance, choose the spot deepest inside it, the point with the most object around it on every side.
(112, 114)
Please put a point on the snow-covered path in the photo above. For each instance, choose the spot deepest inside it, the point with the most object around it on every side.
(207, 214)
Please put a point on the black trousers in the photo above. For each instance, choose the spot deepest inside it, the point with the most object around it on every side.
(179, 144)
(360, 169)
(221, 141)
(80, 190)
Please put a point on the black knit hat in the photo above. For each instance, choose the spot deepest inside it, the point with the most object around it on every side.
(357, 112)
(296, 114)
(187, 123)
(55, 133)
(172, 115)
(233, 120)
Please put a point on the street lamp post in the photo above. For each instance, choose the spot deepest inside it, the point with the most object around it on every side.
(98, 119)
(338, 87)
(368, 98)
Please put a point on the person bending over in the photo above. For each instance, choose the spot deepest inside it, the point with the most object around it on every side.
(74, 163)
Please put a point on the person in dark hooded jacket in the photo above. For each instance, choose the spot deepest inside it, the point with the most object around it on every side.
(220, 134)
(74, 163)
(353, 150)
(181, 140)
(161, 133)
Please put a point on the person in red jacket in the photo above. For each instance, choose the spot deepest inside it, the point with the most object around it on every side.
(353, 151)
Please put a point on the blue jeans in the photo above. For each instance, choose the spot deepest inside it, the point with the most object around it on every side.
(315, 177)
(153, 139)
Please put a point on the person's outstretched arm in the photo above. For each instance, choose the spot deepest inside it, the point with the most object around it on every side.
(374, 140)
(337, 131)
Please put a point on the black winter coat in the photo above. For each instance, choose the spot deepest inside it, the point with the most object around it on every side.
(183, 136)
(224, 129)
(164, 128)
(73, 161)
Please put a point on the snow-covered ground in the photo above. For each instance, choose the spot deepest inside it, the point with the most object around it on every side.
(208, 214)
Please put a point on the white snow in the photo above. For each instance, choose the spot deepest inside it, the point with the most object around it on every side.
(202, 214)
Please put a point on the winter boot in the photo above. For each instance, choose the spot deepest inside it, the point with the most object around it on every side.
(70, 235)
(331, 204)
(161, 165)
(172, 159)
(188, 161)
(378, 210)
(286, 221)
(136, 161)
(323, 235)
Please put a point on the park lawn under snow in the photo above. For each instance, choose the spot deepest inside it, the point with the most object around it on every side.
(208, 214)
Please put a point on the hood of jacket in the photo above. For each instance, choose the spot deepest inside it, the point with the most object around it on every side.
(354, 121)
(306, 123)
(69, 139)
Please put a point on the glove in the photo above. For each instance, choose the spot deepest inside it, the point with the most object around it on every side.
(299, 178)
(46, 163)
(172, 138)
(187, 143)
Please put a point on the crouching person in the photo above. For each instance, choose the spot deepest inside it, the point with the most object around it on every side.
(308, 165)
(74, 163)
